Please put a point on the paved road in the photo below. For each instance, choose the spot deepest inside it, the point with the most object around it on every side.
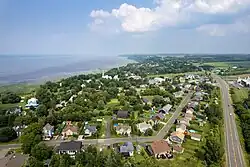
(234, 154)
(109, 141)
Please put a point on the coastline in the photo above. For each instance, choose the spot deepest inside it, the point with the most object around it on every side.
(61, 75)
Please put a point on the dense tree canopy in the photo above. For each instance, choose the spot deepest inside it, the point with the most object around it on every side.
(9, 97)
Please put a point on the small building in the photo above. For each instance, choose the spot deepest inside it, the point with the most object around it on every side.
(127, 149)
(123, 129)
(161, 149)
(177, 137)
(188, 116)
(123, 114)
(181, 128)
(32, 102)
(70, 130)
(165, 109)
(190, 111)
(178, 149)
(184, 121)
(48, 131)
(143, 127)
(71, 148)
(195, 136)
(89, 130)
(178, 94)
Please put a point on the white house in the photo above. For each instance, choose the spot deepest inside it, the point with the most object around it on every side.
(181, 128)
(123, 129)
(196, 137)
(32, 102)
(143, 127)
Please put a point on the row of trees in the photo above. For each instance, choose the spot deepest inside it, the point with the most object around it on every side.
(91, 157)
(9, 97)
(242, 110)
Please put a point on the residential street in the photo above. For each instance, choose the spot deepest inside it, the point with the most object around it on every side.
(109, 141)
(234, 154)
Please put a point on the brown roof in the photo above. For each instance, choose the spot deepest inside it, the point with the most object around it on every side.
(178, 148)
(70, 127)
(178, 134)
(160, 146)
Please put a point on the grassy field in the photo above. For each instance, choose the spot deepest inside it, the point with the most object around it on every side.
(171, 75)
(242, 64)
(188, 158)
(19, 88)
(240, 94)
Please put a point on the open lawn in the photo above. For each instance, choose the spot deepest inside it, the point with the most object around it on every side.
(6, 106)
(188, 158)
(20, 89)
(171, 75)
(239, 94)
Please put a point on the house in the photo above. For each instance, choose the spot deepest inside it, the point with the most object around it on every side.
(134, 77)
(184, 121)
(32, 102)
(195, 136)
(116, 77)
(178, 94)
(123, 114)
(188, 116)
(198, 96)
(13, 160)
(123, 129)
(177, 137)
(127, 149)
(193, 104)
(89, 130)
(70, 130)
(149, 150)
(156, 81)
(15, 110)
(159, 116)
(48, 131)
(143, 127)
(165, 109)
(190, 111)
(19, 129)
(178, 149)
(71, 148)
(161, 149)
(145, 100)
(181, 128)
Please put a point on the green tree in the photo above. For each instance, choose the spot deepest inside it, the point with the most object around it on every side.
(7, 134)
(31, 136)
(33, 162)
(100, 105)
(41, 151)
(42, 110)
(148, 132)
(10, 97)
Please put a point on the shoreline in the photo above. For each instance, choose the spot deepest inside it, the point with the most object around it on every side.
(61, 75)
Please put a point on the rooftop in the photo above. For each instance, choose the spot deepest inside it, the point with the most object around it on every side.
(160, 146)
(71, 145)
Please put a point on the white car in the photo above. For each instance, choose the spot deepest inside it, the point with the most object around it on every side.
(230, 114)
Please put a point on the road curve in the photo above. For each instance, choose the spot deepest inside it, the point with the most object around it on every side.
(234, 154)
(161, 134)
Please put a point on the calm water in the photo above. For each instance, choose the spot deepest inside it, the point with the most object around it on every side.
(21, 68)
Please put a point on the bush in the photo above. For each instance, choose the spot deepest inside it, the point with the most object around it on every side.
(7, 134)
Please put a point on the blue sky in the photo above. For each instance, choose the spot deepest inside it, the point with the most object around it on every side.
(111, 27)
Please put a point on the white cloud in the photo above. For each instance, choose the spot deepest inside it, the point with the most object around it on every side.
(167, 13)
(240, 26)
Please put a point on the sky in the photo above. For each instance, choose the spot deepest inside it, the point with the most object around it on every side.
(112, 27)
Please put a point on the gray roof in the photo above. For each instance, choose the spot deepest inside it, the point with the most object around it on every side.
(72, 145)
(91, 128)
(126, 147)
(167, 107)
(48, 127)
(122, 114)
